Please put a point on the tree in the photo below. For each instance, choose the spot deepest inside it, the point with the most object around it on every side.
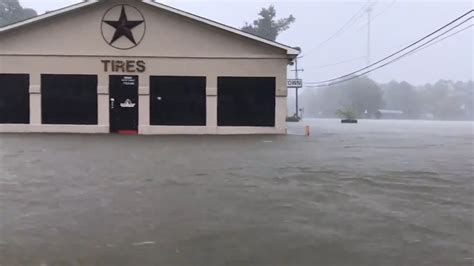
(11, 11)
(359, 95)
(446, 101)
(364, 96)
(465, 91)
(266, 26)
(402, 96)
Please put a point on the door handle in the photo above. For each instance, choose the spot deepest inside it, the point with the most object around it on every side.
(112, 103)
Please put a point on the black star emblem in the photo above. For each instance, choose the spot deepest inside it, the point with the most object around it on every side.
(123, 27)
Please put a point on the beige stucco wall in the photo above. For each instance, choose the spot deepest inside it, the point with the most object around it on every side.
(173, 45)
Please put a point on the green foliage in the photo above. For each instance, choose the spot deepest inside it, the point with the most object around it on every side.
(346, 113)
(266, 26)
(11, 11)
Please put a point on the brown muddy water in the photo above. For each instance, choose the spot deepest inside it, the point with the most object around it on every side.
(378, 193)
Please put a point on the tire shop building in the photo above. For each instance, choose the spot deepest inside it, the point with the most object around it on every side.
(139, 67)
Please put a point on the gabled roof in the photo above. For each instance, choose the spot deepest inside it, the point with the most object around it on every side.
(291, 51)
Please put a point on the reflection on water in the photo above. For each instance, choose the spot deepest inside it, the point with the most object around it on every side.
(377, 193)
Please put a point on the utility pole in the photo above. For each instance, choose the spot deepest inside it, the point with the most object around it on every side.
(297, 77)
(369, 37)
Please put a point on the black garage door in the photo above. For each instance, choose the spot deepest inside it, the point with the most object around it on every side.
(178, 101)
(69, 99)
(14, 99)
(246, 101)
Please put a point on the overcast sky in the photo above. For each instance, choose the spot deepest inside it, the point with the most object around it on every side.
(398, 23)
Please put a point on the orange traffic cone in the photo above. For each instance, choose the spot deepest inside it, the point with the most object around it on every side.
(307, 131)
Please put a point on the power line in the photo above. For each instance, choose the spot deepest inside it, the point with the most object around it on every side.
(346, 26)
(447, 37)
(338, 63)
(413, 51)
(398, 52)
(389, 6)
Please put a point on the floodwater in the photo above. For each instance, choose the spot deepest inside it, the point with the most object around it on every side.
(378, 193)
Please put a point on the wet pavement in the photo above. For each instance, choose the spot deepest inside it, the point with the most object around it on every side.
(378, 193)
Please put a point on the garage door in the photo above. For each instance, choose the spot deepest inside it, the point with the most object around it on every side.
(14, 99)
(246, 101)
(177, 101)
(69, 99)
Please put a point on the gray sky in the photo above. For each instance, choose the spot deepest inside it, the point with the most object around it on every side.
(400, 22)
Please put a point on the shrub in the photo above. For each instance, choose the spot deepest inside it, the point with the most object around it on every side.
(346, 113)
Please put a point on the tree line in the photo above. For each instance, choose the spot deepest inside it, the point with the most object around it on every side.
(443, 100)
(11, 12)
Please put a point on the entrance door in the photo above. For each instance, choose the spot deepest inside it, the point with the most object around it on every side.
(123, 104)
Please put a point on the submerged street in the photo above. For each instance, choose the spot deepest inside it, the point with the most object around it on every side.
(378, 193)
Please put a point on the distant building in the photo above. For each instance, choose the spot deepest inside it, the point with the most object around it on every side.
(389, 114)
(139, 67)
